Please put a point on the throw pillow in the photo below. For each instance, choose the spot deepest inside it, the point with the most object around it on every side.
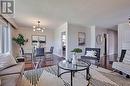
(6, 60)
(91, 54)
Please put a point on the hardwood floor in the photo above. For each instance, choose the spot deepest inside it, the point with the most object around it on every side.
(105, 62)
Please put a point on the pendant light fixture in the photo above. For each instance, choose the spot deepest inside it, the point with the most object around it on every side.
(38, 27)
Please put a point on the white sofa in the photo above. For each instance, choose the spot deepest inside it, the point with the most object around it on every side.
(123, 66)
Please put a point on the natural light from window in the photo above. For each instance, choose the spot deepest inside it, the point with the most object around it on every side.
(4, 37)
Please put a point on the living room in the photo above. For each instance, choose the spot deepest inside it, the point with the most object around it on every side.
(67, 43)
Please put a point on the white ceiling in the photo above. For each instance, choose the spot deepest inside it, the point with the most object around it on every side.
(52, 13)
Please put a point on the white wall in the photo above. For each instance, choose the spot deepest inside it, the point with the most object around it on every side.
(28, 32)
(0, 38)
(123, 37)
(57, 39)
(93, 36)
(73, 38)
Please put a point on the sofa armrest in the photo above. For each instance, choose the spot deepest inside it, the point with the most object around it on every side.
(16, 69)
(8, 74)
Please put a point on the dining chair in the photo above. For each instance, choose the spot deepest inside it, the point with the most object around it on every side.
(38, 58)
(26, 55)
(50, 52)
(39, 52)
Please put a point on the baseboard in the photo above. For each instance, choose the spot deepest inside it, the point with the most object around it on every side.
(57, 54)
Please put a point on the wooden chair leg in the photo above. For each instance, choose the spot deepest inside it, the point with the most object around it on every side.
(98, 64)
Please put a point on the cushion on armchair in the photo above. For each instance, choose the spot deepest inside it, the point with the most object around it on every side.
(91, 54)
(94, 53)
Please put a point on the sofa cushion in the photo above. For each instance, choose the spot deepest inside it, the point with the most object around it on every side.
(10, 80)
(18, 68)
(6, 60)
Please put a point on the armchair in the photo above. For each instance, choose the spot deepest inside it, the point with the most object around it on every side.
(123, 65)
(92, 54)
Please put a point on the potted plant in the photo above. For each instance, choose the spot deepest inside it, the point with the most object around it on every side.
(20, 40)
(75, 50)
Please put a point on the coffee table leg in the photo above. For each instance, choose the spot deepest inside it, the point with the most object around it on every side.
(58, 71)
(87, 74)
(71, 78)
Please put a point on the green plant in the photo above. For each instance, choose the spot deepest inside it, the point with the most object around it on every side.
(77, 50)
(20, 40)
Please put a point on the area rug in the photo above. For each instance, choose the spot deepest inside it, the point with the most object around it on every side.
(48, 77)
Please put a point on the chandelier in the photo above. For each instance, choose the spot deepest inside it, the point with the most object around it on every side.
(38, 27)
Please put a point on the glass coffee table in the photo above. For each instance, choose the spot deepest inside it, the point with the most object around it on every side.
(72, 68)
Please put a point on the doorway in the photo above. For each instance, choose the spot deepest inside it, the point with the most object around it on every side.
(63, 43)
(110, 47)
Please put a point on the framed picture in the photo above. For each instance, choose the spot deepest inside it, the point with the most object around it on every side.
(38, 39)
(81, 38)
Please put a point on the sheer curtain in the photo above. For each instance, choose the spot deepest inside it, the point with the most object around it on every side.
(0, 38)
(5, 37)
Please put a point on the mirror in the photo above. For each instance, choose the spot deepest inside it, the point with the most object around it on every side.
(99, 39)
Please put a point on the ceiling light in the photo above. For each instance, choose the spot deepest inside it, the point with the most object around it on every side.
(38, 27)
(34, 30)
(34, 26)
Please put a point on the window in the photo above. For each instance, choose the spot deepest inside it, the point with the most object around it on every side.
(4, 37)
(0, 39)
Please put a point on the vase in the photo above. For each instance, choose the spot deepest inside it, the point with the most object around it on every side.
(74, 59)
(20, 52)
